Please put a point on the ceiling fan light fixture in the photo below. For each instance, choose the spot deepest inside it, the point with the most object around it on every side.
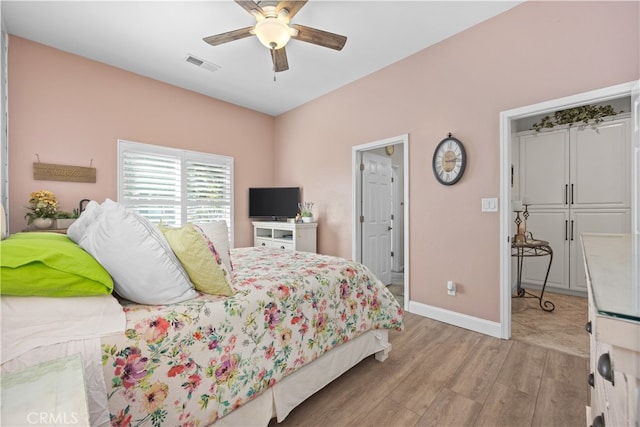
(273, 33)
(273, 30)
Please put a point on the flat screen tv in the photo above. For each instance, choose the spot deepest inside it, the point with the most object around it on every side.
(275, 203)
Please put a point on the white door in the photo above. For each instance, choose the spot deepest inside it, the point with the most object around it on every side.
(544, 168)
(376, 213)
(592, 221)
(600, 168)
(635, 187)
(397, 221)
(550, 225)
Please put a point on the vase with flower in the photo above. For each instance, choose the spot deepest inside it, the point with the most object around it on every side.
(42, 209)
(306, 212)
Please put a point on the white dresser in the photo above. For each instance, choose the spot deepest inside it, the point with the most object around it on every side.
(285, 235)
(614, 325)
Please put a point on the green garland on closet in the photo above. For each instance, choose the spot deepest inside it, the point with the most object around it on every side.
(582, 114)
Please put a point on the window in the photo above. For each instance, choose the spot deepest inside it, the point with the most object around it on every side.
(175, 186)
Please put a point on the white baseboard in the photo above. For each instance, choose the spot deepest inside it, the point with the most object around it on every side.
(475, 324)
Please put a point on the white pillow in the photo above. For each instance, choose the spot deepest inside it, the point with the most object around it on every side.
(86, 218)
(3, 223)
(136, 255)
(218, 233)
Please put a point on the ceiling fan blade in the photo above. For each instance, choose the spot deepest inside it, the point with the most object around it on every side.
(250, 6)
(228, 36)
(279, 58)
(319, 37)
(293, 6)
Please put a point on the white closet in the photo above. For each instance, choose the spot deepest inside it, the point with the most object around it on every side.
(575, 179)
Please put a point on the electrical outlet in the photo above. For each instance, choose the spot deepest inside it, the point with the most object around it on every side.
(451, 288)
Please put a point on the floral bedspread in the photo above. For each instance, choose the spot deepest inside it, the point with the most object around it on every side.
(194, 362)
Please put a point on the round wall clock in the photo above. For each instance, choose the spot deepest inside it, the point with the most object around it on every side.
(389, 150)
(449, 161)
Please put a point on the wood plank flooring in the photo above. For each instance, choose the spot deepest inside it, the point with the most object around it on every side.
(442, 375)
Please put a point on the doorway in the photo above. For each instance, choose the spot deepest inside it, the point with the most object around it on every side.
(507, 129)
(380, 228)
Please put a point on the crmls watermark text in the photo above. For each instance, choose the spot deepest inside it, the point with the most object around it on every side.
(51, 418)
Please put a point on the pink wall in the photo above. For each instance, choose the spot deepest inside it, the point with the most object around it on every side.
(535, 52)
(70, 110)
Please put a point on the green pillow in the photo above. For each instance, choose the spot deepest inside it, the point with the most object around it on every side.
(49, 265)
(199, 258)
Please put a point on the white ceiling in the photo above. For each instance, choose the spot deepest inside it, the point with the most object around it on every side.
(153, 38)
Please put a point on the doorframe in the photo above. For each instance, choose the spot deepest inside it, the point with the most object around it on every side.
(506, 134)
(356, 187)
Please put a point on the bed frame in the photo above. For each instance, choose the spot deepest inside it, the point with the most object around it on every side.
(279, 400)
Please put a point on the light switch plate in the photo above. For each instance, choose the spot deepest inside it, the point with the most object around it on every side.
(490, 205)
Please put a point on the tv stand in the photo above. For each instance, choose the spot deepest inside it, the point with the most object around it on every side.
(285, 235)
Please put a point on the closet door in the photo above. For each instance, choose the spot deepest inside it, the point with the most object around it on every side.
(600, 171)
(549, 225)
(544, 168)
(591, 221)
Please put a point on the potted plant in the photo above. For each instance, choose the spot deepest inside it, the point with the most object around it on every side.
(305, 211)
(42, 208)
(64, 219)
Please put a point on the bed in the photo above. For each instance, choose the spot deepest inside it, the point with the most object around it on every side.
(199, 360)
(295, 321)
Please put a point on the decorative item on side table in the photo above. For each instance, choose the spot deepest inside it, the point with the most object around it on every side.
(521, 225)
(42, 208)
(65, 219)
(305, 211)
(524, 245)
(42, 223)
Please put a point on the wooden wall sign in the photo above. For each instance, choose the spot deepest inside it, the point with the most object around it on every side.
(52, 172)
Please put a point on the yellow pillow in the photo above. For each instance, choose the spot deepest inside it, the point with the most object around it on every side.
(200, 259)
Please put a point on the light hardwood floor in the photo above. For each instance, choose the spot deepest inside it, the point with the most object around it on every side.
(442, 375)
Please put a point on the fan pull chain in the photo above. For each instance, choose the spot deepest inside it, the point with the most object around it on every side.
(273, 60)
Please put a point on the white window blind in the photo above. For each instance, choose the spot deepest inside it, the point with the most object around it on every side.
(175, 186)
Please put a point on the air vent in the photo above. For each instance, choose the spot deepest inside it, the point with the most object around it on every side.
(202, 63)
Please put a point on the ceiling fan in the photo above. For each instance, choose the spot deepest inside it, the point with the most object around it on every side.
(273, 30)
